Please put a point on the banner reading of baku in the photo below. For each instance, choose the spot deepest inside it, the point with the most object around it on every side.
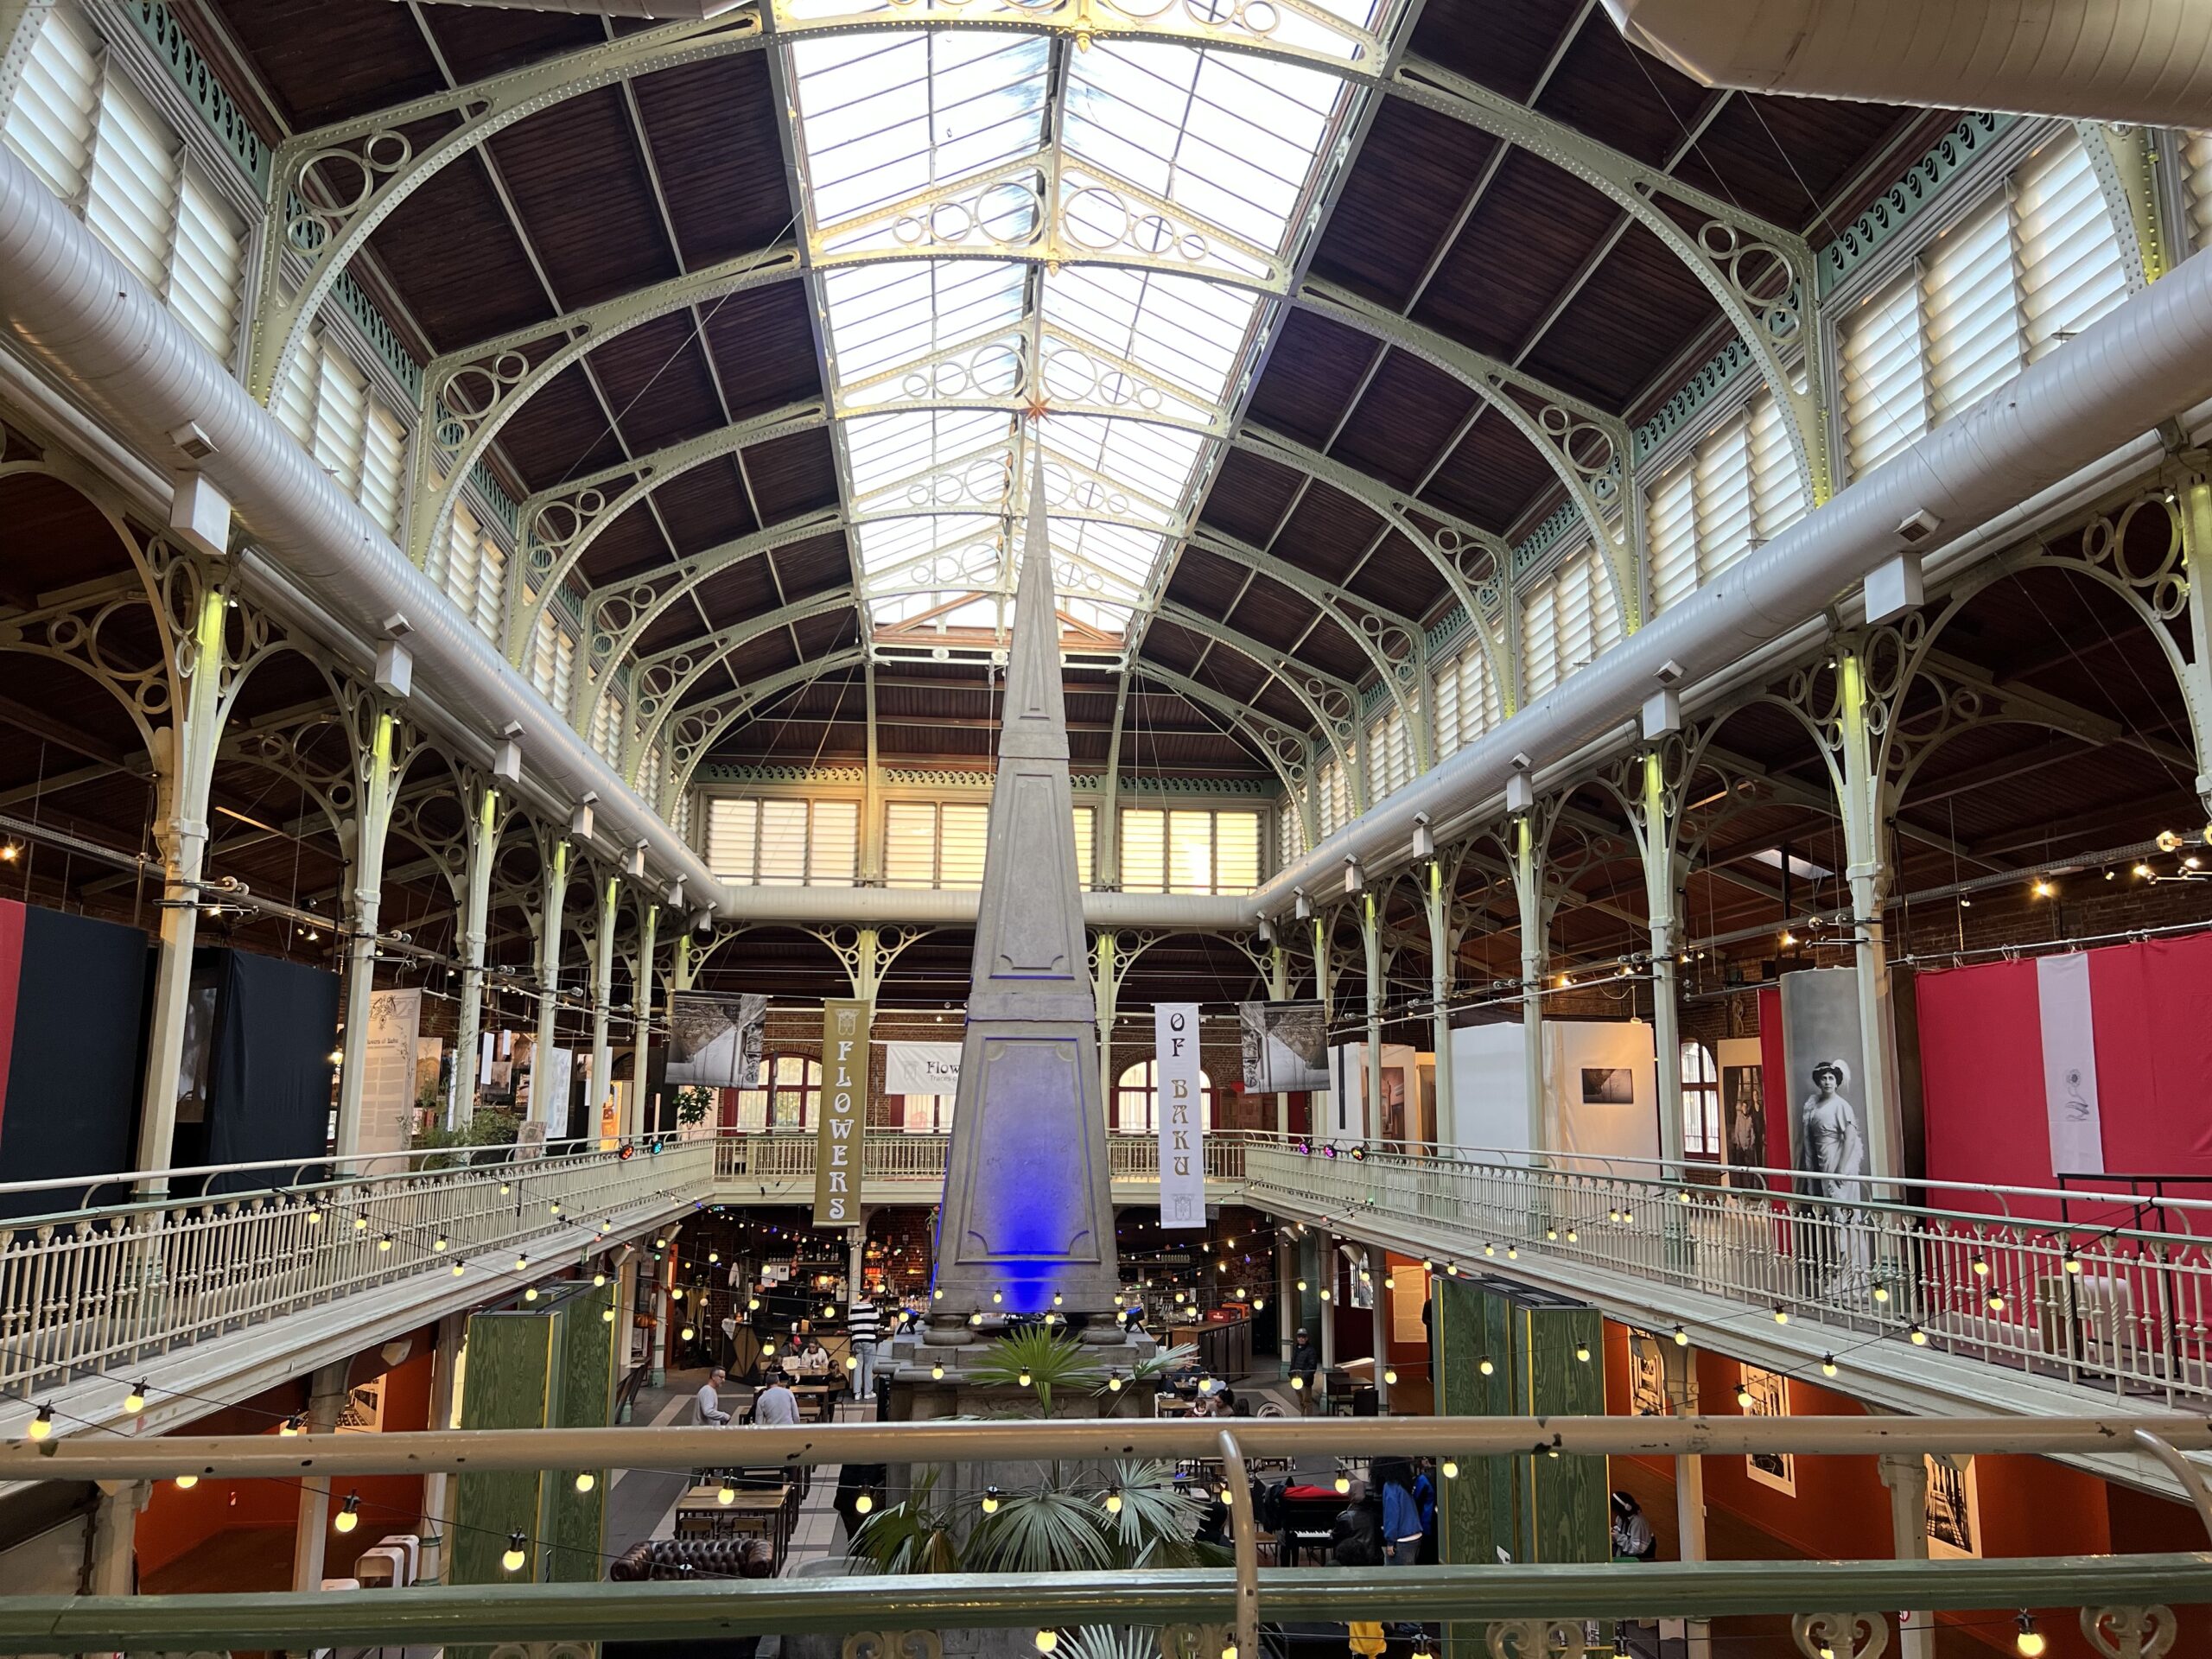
(844, 1115)
(1182, 1120)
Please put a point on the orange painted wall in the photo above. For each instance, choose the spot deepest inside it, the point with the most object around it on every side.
(175, 1521)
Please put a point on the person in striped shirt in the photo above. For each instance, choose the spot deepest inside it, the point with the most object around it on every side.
(863, 1325)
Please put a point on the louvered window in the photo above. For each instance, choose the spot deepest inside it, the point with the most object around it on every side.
(1086, 846)
(491, 586)
(606, 727)
(1885, 386)
(2070, 270)
(2196, 185)
(541, 650)
(383, 468)
(934, 843)
(110, 153)
(1288, 838)
(1724, 497)
(1540, 639)
(1466, 699)
(325, 402)
(1189, 849)
(1972, 315)
(1670, 535)
(456, 572)
(782, 843)
(649, 771)
(564, 670)
(1329, 781)
(1778, 487)
(1389, 752)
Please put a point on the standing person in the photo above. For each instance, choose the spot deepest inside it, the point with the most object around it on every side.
(863, 1325)
(1402, 1528)
(710, 1399)
(775, 1407)
(1831, 1151)
(1425, 1500)
(1305, 1360)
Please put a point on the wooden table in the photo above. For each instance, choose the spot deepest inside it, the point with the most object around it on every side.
(754, 1512)
(816, 1400)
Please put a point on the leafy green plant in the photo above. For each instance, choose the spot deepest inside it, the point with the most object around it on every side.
(1034, 1358)
(487, 1127)
(1110, 1641)
(1041, 1531)
(1163, 1362)
(692, 1106)
(916, 1536)
(1132, 1514)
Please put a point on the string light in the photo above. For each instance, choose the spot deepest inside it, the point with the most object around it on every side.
(1047, 1640)
(990, 1500)
(185, 1483)
(360, 1223)
(1113, 1385)
(1582, 1352)
(135, 1401)
(1451, 1469)
(1743, 1397)
(1881, 1293)
(606, 1316)
(442, 1244)
(1918, 1336)
(384, 1243)
(1681, 1337)
(349, 1517)
(1484, 1366)
(586, 1481)
(2029, 1641)
(1390, 1376)
(522, 1265)
(293, 1424)
(517, 1553)
(937, 1373)
(456, 1270)
(1113, 1500)
(1781, 1314)
(1344, 1482)
(1827, 1364)
(727, 1494)
(1981, 1266)
(42, 1424)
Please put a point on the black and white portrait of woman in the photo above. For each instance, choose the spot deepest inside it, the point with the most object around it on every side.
(1831, 1141)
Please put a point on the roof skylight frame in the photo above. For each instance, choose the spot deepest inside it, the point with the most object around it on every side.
(1142, 318)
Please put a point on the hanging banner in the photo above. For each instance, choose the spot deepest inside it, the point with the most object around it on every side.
(921, 1068)
(843, 1114)
(1824, 1057)
(714, 1042)
(1182, 1121)
(2069, 1064)
(1286, 1047)
(388, 1072)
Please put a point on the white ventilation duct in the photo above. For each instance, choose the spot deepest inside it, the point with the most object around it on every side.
(2148, 61)
(2147, 362)
(75, 307)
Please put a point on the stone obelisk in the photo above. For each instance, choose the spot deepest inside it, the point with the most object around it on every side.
(1028, 1209)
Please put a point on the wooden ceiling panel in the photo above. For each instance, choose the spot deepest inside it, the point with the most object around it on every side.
(656, 377)
(1533, 230)
(1403, 192)
(1398, 574)
(580, 186)
(1327, 534)
(322, 63)
(1638, 310)
(632, 544)
(792, 475)
(1173, 647)
(476, 42)
(810, 566)
(764, 348)
(716, 137)
(453, 256)
(1492, 474)
(1623, 98)
(560, 433)
(1271, 614)
(1250, 497)
(1204, 583)
(730, 596)
(1504, 44)
(1312, 375)
(706, 506)
(757, 658)
(1405, 420)
(1781, 157)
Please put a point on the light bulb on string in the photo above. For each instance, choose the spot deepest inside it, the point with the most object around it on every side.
(517, 1553)
(586, 1481)
(135, 1401)
(2029, 1641)
(185, 1483)
(350, 1516)
(991, 1504)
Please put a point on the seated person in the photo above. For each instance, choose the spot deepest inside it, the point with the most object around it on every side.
(811, 1361)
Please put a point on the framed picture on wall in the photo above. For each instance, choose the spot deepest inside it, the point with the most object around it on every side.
(1768, 1394)
(1954, 1510)
(1647, 1376)
(1407, 1298)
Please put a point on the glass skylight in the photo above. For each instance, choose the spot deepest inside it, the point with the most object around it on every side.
(1007, 225)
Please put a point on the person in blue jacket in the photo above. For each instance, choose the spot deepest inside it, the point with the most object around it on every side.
(1402, 1522)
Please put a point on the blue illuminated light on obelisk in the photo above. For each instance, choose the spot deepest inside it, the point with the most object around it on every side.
(1028, 1208)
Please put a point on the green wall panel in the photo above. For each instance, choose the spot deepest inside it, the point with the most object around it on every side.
(510, 1375)
(583, 1352)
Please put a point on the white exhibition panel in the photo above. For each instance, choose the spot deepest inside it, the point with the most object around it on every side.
(1601, 1087)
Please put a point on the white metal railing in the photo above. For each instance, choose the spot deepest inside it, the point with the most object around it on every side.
(2120, 1309)
(783, 1161)
(94, 1292)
